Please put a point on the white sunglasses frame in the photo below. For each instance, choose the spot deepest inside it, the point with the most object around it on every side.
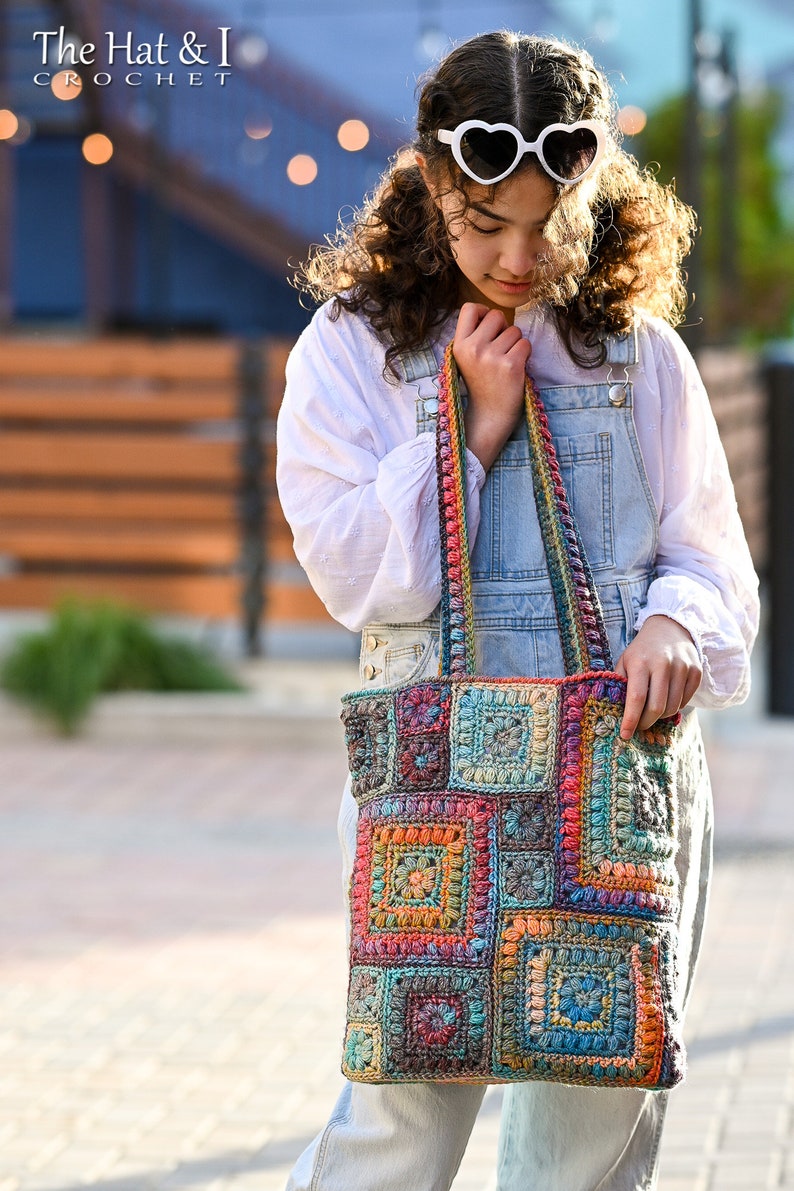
(455, 136)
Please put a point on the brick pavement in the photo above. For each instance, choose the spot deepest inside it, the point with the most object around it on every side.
(163, 967)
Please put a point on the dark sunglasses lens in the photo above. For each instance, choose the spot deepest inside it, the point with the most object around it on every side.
(570, 154)
(488, 154)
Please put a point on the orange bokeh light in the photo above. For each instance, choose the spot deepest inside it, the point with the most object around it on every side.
(66, 84)
(631, 120)
(353, 135)
(9, 125)
(301, 169)
(97, 148)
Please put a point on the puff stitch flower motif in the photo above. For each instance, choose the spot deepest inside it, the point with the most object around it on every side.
(421, 762)
(364, 993)
(502, 735)
(422, 708)
(524, 879)
(582, 998)
(437, 1022)
(415, 877)
(359, 1050)
(525, 821)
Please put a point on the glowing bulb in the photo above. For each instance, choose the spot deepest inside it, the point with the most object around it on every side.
(66, 84)
(251, 51)
(23, 133)
(301, 169)
(9, 125)
(631, 120)
(258, 127)
(431, 42)
(97, 148)
(353, 135)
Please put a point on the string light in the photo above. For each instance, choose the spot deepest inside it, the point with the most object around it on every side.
(353, 135)
(301, 169)
(66, 85)
(631, 120)
(9, 125)
(23, 133)
(251, 51)
(97, 148)
(258, 127)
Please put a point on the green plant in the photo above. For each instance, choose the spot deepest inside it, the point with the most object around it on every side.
(743, 214)
(94, 647)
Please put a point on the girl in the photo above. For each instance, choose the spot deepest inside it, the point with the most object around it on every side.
(516, 227)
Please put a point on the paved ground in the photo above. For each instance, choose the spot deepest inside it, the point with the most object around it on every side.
(171, 994)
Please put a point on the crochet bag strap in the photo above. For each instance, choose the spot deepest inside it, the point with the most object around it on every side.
(585, 645)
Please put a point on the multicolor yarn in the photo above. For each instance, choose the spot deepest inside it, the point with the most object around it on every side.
(514, 891)
(585, 644)
(457, 627)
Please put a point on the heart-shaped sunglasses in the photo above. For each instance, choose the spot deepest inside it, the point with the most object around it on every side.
(489, 152)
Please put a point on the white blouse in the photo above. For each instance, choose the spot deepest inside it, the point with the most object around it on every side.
(358, 487)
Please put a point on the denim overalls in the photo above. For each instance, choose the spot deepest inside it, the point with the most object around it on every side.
(553, 1137)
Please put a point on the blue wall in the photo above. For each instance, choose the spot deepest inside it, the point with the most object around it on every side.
(48, 277)
(180, 273)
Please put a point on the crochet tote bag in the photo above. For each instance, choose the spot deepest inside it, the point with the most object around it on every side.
(514, 894)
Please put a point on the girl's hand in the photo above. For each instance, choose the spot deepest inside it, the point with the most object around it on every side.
(492, 357)
(662, 670)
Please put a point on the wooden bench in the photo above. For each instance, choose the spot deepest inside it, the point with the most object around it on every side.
(143, 471)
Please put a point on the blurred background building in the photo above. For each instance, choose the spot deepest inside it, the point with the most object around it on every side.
(164, 164)
(177, 198)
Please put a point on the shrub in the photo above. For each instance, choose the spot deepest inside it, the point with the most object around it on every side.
(94, 647)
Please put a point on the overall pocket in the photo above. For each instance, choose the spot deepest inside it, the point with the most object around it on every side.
(392, 654)
(508, 544)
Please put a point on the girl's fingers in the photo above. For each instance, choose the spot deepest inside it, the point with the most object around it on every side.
(676, 693)
(470, 316)
(520, 347)
(694, 679)
(662, 671)
(656, 697)
(485, 326)
(636, 694)
(480, 320)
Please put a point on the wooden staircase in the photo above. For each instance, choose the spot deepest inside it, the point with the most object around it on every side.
(188, 145)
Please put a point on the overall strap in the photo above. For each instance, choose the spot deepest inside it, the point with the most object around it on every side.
(622, 349)
(418, 363)
(585, 645)
(418, 369)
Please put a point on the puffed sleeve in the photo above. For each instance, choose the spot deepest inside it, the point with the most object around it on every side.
(357, 485)
(706, 580)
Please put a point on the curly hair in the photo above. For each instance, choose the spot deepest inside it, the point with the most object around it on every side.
(615, 241)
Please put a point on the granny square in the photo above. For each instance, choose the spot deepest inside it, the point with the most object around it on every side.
(503, 737)
(617, 823)
(423, 708)
(527, 879)
(422, 761)
(424, 880)
(370, 739)
(527, 820)
(438, 1022)
(580, 999)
